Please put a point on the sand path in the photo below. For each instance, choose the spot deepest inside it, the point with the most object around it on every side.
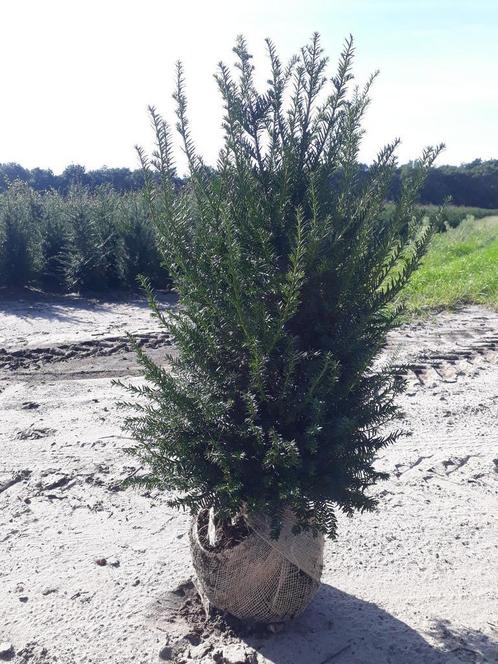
(415, 582)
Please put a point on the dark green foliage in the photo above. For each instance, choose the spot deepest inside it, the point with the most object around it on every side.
(286, 265)
(141, 243)
(42, 180)
(55, 243)
(86, 263)
(469, 185)
(83, 240)
(473, 185)
(20, 255)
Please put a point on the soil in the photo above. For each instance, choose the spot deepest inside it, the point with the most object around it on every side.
(228, 534)
(88, 571)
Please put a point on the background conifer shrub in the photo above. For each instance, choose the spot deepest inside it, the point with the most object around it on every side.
(83, 240)
(86, 261)
(55, 243)
(286, 265)
(20, 235)
(141, 243)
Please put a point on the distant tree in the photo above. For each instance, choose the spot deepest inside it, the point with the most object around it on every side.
(42, 179)
(73, 175)
(10, 172)
(474, 184)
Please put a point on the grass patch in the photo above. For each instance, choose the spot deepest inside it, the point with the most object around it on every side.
(461, 267)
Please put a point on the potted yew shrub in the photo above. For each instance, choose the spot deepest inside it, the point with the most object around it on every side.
(287, 263)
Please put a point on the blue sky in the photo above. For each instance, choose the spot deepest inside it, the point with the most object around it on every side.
(78, 75)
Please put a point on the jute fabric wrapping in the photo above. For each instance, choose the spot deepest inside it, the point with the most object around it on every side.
(261, 579)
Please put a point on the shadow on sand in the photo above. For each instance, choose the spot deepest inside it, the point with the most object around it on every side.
(339, 628)
(28, 304)
(336, 628)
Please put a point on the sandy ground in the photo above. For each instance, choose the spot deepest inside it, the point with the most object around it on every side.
(415, 582)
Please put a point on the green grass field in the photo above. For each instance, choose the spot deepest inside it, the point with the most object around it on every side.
(461, 267)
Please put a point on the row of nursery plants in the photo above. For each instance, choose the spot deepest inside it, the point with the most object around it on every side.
(453, 215)
(450, 216)
(82, 241)
(98, 240)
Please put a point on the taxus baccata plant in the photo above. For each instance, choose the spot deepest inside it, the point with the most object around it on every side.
(287, 266)
(141, 244)
(83, 240)
(20, 237)
(95, 258)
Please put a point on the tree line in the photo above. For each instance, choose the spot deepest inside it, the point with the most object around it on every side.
(474, 184)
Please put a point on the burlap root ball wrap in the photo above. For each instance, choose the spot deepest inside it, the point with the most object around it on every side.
(261, 579)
